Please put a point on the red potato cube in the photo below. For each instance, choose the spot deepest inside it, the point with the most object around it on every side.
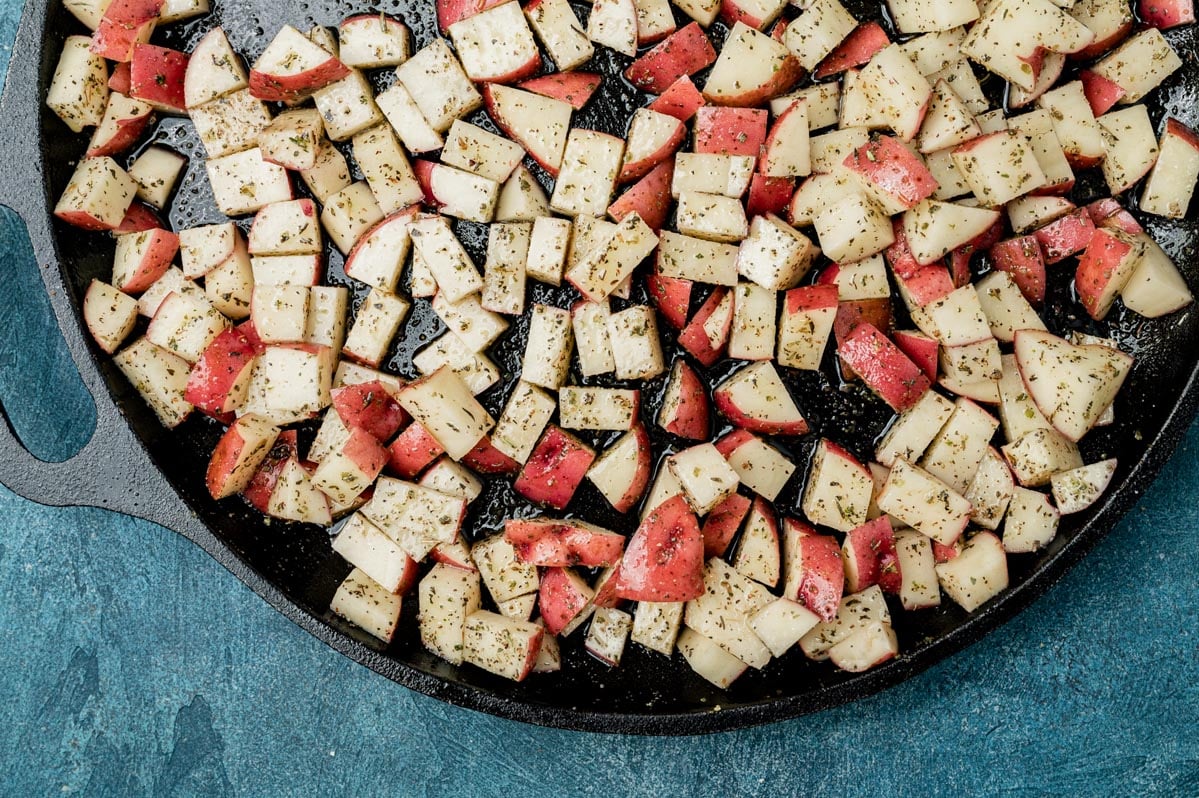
(217, 383)
(1023, 260)
(138, 219)
(751, 69)
(649, 197)
(884, 368)
(369, 406)
(817, 32)
(1110, 259)
(855, 50)
(124, 25)
(813, 573)
(213, 70)
(562, 598)
(1130, 147)
(590, 165)
(680, 100)
(262, 482)
(1171, 182)
(758, 556)
(444, 405)
(614, 23)
(239, 455)
(663, 561)
(554, 544)
(914, 497)
(141, 258)
(652, 138)
(805, 325)
(685, 407)
(1100, 92)
(786, 152)
(672, 297)
(413, 451)
(730, 131)
(485, 458)
(723, 523)
(756, 399)
(1165, 14)
(1065, 236)
(554, 469)
(622, 471)
(109, 314)
(768, 195)
(1139, 64)
(839, 488)
(758, 14)
(573, 88)
(1156, 288)
(561, 33)
(369, 41)
(1111, 214)
(156, 76)
(893, 170)
(870, 557)
(496, 45)
(451, 11)
(683, 53)
(706, 336)
(292, 67)
(124, 121)
(349, 470)
(98, 196)
(1110, 20)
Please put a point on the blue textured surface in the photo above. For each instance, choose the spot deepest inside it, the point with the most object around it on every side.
(133, 665)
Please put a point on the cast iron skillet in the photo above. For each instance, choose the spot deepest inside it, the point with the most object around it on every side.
(133, 466)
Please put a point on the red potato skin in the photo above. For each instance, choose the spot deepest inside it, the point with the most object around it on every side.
(680, 100)
(574, 88)
(412, 452)
(731, 13)
(139, 218)
(730, 131)
(442, 555)
(884, 367)
(155, 261)
(298, 87)
(1096, 266)
(424, 169)
(124, 23)
(888, 164)
(768, 195)
(733, 441)
(486, 459)
(664, 560)
(118, 81)
(724, 404)
(928, 283)
(1103, 44)
(1166, 14)
(525, 70)
(1065, 236)
(221, 365)
(638, 169)
(451, 11)
(1111, 214)
(406, 213)
(850, 314)
(857, 49)
(258, 492)
(493, 112)
(224, 458)
(1023, 260)
(696, 341)
(365, 451)
(1100, 92)
(920, 348)
(811, 297)
(563, 544)
(944, 553)
(649, 197)
(247, 329)
(691, 419)
(369, 406)
(959, 259)
(871, 547)
(156, 75)
(721, 525)
(787, 75)
(558, 600)
(822, 579)
(684, 52)
(671, 296)
(637, 485)
(555, 469)
(899, 255)
(128, 131)
(605, 590)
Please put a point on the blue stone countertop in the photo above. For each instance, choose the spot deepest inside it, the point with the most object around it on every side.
(133, 665)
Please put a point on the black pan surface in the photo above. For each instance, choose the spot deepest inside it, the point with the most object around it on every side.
(134, 466)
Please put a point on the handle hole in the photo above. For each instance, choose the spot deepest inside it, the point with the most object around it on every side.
(40, 389)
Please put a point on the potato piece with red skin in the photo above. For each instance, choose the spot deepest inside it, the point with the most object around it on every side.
(721, 525)
(730, 131)
(854, 50)
(685, 408)
(870, 558)
(921, 348)
(1023, 260)
(649, 197)
(705, 344)
(812, 569)
(561, 597)
(1109, 213)
(573, 88)
(681, 100)
(1065, 236)
(893, 170)
(125, 24)
(412, 451)
(554, 469)
(756, 399)
(1108, 262)
(1165, 14)
(877, 312)
(551, 544)
(652, 139)
(664, 560)
(217, 383)
(125, 120)
(156, 76)
(671, 296)
(485, 458)
(768, 195)
(884, 368)
(142, 258)
(138, 219)
(451, 11)
(1102, 94)
(682, 53)
(262, 484)
(274, 78)
(239, 455)
(371, 407)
